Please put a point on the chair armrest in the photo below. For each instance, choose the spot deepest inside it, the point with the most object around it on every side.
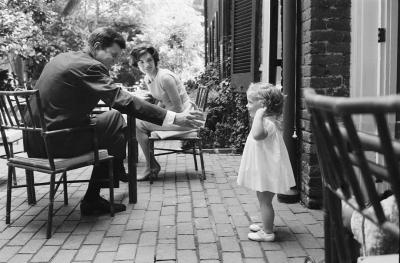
(90, 127)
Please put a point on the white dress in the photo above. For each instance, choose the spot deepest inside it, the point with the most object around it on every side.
(265, 164)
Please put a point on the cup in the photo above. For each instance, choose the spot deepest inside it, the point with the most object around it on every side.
(205, 114)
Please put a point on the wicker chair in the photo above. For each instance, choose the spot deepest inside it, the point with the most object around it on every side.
(49, 165)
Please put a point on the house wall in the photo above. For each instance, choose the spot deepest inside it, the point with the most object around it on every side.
(212, 7)
(325, 67)
(324, 55)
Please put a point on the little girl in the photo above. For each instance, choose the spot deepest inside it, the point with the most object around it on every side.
(265, 166)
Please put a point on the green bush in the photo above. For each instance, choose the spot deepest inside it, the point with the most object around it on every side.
(227, 121)
(228, 117)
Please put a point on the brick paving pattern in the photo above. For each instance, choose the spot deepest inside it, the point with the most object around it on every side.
(177, 219)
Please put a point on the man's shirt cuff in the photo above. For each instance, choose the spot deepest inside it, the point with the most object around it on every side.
(169, 118)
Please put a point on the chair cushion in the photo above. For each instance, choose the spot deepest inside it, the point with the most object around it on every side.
(60, 163)
(393, 258)
(174, 135)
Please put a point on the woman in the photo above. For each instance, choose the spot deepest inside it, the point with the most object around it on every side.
(168, 90)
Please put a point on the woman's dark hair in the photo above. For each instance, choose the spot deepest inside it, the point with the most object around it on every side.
(140, 51)
(106, 37)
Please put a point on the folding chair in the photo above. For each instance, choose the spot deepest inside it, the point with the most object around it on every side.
(192, 139)
(342, 154)
(49, 165)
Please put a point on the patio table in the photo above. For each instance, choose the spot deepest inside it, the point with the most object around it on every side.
(132, 156)
(132, 159)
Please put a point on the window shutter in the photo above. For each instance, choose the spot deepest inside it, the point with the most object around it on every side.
(243, 43)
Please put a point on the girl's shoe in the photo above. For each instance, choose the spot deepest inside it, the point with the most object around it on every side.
(261, 236)
(254, 227)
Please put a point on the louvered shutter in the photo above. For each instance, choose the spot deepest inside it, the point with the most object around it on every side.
(243, 43)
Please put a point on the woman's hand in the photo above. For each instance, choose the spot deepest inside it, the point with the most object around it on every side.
(160, 104)
(149, 98)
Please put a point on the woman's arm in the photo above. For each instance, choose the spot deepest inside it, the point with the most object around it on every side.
(169, 85)
(258, 130)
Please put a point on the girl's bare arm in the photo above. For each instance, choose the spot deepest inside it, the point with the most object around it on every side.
(258, 130)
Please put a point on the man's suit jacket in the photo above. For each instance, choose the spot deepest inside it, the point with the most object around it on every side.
(70, 87)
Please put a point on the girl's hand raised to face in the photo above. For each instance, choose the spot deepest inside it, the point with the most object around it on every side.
(258, 130)
(261, 113)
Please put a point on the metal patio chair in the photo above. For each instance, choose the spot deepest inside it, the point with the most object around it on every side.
(49, 165)
(13, 137)
(193, 139)
(343, 155)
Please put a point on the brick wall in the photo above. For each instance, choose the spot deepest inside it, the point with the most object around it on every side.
(325, 67)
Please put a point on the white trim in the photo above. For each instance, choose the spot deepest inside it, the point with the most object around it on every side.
(264, 67)
(373, 69)
(390, 49)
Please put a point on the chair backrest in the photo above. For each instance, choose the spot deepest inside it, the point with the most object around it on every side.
(201, 97)
(13, 106)
(342, 153)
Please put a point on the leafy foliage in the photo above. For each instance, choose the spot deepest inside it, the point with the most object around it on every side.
(34, 31)
(227, 121)
(175, 29)
(37, 30)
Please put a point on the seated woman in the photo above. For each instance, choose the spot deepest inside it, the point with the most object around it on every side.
(167, 89)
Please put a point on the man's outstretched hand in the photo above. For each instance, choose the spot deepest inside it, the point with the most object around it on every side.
(192, 119)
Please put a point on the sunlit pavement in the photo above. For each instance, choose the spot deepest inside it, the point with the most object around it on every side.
(177, 219)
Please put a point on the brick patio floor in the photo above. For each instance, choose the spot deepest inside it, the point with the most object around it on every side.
(177, 219)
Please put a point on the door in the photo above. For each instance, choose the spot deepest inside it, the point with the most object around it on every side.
(374, 54)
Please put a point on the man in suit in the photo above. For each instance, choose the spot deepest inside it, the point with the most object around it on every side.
(70, 87)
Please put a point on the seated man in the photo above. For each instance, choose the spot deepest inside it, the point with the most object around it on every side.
(70, 86)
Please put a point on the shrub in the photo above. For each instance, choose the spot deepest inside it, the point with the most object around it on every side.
(227, 121)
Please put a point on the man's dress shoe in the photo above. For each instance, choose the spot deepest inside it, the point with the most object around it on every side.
(99, 206)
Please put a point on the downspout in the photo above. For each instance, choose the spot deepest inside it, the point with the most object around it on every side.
(397, 126)
(205, 32)
(289, 26)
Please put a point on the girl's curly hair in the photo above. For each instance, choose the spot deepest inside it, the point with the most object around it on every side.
(270, 95)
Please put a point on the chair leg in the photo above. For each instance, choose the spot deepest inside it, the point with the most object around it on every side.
(194, 156)
(9, 187)
(151, 158)
(30, 187)
(111, 182)
(203, 172)
(51, 203)
(64, 175)
(11, 147)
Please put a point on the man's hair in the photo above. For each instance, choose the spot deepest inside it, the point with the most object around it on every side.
(136, 53)
(106, 37)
